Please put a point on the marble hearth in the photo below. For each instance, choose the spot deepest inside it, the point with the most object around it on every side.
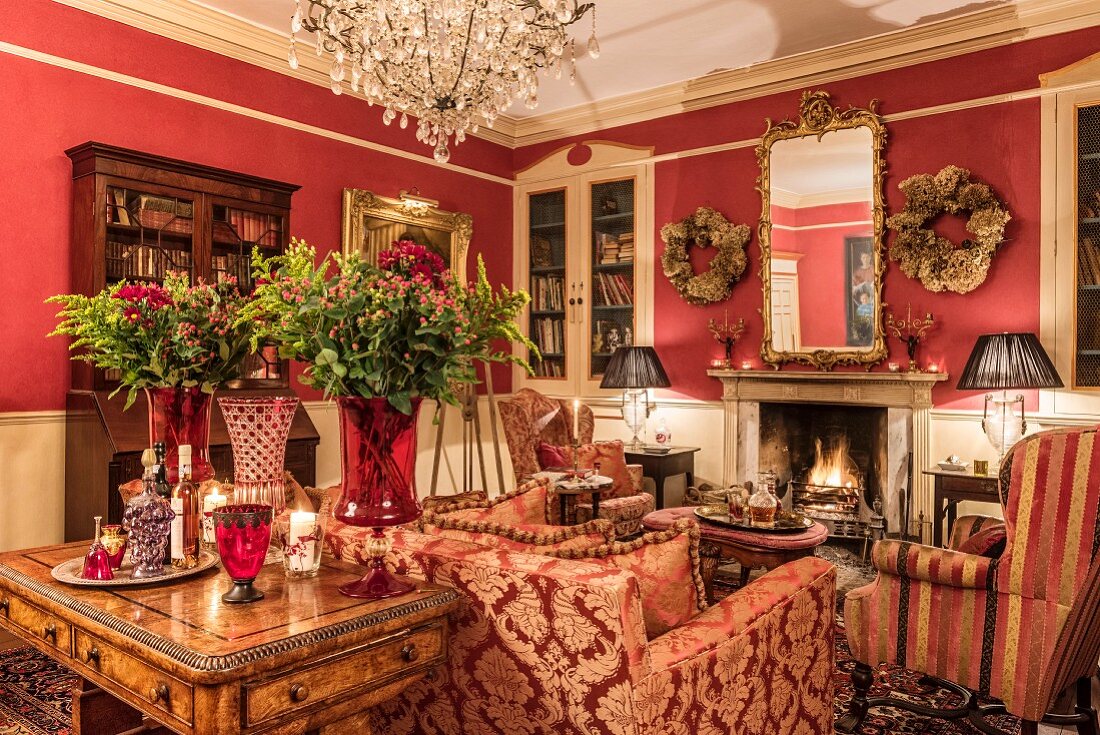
(907, 398)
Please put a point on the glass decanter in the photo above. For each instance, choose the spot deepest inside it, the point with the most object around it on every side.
(149, 518)
(763, 504)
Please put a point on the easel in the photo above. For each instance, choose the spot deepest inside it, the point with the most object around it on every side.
(471, 438)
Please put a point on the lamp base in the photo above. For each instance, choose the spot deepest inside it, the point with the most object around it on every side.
(377, 584)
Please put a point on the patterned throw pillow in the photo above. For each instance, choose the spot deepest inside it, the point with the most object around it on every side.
(552, 456)
(989, 542)
(526, 504)
(666, 564)
(535, 539)
(612, 459)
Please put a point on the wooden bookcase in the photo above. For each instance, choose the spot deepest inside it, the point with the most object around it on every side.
(136, 215)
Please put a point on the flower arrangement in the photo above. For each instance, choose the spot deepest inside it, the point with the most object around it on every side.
(402, 329)
(175, 335)
(936, 261)
(702, 228)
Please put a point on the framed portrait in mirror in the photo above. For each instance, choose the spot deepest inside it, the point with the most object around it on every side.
(860, 291)
(373, 223)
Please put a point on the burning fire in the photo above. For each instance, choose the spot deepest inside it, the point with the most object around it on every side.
(833, 468)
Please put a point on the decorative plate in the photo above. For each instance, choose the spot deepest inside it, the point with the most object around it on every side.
(949, 466)
(785, 521)
(69, 573)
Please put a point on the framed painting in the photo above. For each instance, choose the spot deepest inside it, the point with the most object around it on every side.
(372, 223)
(859, 272)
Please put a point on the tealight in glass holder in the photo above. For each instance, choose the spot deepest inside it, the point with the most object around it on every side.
(300, 535)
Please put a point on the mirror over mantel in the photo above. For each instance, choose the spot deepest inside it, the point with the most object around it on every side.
(821, 236)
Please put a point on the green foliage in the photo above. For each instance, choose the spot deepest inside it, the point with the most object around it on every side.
(401, 332)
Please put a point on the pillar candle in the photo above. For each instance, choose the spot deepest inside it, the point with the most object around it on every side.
(576, 420)
(300, 553)
(210, 503)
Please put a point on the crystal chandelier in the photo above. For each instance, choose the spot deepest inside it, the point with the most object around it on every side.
(452, 64)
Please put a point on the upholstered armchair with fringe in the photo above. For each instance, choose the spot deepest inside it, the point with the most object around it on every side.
(1011, 610)
(531, 419)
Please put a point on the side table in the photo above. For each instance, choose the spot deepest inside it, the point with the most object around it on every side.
(950, 488)
(592, 486)
(304, 658)
(659, 467)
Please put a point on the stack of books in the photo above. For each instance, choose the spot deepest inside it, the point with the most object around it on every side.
(615, 248)
(626, 247)
(615, 290)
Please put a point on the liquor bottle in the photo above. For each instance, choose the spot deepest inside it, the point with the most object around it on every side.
(162, 488)
(185, 526)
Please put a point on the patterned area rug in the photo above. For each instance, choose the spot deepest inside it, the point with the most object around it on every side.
(35, 697)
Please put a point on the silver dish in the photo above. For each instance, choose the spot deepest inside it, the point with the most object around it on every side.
(785, 521)
(69, 573)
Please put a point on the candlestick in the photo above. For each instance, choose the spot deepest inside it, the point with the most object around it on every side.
(576, 420)
(911, 331)
(727, 334)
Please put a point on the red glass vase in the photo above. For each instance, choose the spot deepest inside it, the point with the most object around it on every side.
(258, 429)
(243, 533)
(378, 483)
(181, 416)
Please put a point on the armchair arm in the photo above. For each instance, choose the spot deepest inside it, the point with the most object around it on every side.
(929, 564)
(967, 526)
(761, 661)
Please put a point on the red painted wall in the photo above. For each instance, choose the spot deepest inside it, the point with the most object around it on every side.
(999, 143)
(48, 109)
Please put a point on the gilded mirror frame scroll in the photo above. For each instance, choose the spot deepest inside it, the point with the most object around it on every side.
(361, 205)
(819, 116)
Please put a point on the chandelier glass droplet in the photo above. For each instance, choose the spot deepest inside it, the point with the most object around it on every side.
(452, 64)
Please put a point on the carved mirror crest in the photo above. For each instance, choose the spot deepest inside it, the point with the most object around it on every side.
(821, 235)
(372, 223)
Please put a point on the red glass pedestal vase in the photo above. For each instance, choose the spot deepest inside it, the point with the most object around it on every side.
(181, 416)
(243, 533)
(378, 488)
(258, 429)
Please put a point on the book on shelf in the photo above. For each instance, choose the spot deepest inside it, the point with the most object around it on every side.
(614, 248)
(548, 335)
(117, 212)
(548, 293)
(615, 289)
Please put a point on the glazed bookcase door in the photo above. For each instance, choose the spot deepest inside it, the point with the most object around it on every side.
(1086, 161)
(553, 308)
(149, 232)
(609, 279)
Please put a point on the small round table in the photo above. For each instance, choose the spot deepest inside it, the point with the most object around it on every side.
(593, 486)
(750, 549)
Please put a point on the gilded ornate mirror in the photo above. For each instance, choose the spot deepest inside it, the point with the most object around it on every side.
(821, 236)
(372, 223)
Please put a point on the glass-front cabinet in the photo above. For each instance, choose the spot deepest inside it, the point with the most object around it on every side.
(1086, 372)
(580, 256)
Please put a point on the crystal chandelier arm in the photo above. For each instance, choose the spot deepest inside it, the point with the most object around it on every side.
(465, 51)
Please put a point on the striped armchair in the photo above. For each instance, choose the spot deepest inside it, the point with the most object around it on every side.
(1023, 627)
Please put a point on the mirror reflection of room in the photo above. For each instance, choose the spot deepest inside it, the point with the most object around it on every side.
(823, 266)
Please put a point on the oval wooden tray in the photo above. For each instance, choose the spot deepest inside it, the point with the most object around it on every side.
(785, 521)
(69, 573)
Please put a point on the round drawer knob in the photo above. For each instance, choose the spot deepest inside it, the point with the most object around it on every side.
(5, 606)
(409, 652)
(299, 692)
(50, 632)
(159, 693)
(92, 655)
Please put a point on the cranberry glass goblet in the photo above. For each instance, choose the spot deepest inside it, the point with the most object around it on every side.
(243, 533)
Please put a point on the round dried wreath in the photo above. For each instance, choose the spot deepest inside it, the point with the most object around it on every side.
(706, 227)
(934, 260)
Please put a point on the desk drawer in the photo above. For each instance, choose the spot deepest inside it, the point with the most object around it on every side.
(408, 652)
(166, 693)
(37, 622)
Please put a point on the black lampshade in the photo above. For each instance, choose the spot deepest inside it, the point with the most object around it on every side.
(1008, 361)
(635, 367)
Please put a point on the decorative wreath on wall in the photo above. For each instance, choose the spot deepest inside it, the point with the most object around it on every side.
(706, 227)
(937, 262)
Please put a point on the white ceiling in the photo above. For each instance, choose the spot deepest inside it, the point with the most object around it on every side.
(649, 43)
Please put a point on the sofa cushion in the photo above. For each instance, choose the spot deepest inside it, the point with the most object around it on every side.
(550, 455)
(666, 564)
(526, 504)
(989, 542)
(532, 538)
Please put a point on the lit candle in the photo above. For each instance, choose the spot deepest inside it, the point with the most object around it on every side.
(301, 544)
(746, 364)
(933, 367)
(210, 503)
(576, 420)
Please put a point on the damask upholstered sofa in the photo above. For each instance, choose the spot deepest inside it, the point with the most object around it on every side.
(551, 646)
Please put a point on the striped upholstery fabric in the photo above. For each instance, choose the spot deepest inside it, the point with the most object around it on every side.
(1022, 627)
(967, 526)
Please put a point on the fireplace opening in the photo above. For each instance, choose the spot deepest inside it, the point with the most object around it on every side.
(829, 460)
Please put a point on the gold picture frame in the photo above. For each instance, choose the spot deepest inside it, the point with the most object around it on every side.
(817, 117)
(371, 223)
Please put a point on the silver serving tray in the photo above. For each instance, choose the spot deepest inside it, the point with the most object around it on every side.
(69, 573)
(785, 521)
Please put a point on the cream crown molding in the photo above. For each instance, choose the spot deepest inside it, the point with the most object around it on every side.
(222, 33)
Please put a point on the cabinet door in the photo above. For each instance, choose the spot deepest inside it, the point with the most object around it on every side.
(150, 230)
(550, 280)
(1086, 244)
(609, 279)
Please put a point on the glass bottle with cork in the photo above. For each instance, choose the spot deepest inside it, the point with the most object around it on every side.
(186, 525)
(162, 488)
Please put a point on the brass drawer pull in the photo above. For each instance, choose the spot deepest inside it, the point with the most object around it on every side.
(409, 652)
(159, 693)
(50, 632)
(299, 692)
(92, 655)
(5, 605)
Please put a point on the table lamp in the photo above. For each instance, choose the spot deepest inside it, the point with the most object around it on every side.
(635, 370)
(1007, 361)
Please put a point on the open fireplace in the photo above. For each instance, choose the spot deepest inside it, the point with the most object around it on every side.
(829, 460)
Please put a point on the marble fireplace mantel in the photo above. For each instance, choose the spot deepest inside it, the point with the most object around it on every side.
(911, 391)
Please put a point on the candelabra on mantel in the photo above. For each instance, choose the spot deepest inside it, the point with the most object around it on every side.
(727, 335)
(911, 331)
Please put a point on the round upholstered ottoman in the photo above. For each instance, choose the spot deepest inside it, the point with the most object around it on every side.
(750, 549)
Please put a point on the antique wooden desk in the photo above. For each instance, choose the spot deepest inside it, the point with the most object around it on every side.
(659, 467)
(303, 658)
(950, 488)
